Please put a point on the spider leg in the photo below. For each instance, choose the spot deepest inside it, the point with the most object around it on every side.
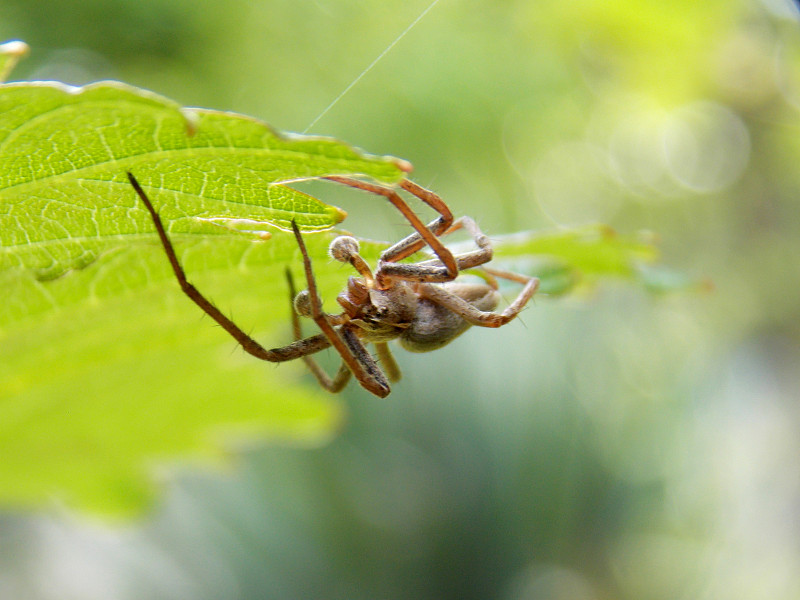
(346, 340)
(413, 243)
(506, 275)
(434, 270)
(370, 375)
(474, 315)
(295, 350)
(387, 361)
(339, 381)
(423, 234)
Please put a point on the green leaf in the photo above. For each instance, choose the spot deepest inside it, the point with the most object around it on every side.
(64, 193)
(106, 369)
(95, 394)
(566, 257)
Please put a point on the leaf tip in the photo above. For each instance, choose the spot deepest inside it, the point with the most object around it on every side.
(11, 52)
(16, 48)
(338, 214)
(404, 165)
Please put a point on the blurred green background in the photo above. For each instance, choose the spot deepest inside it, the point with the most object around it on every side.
(616, 445)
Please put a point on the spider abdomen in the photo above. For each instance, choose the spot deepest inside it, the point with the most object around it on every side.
(435, 326)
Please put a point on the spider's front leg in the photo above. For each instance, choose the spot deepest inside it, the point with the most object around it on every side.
(433, 270)
(423, 234)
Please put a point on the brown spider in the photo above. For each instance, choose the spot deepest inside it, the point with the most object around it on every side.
(418, 303)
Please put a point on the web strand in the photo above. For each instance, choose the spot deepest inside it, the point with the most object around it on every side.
(371, 65)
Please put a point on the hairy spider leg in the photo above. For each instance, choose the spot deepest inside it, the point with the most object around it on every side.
(475, 316)
(295, 350)
(433, 270)
(434, 201)
(426, 234)
(345, 340)
(388, 363)
(339, 381)
(414, 242)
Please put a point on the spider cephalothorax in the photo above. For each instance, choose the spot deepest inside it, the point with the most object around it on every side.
(417, 303)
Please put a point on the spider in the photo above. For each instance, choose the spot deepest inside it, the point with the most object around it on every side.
(417, 303)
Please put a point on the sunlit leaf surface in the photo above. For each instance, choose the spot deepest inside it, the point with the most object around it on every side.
(105, 368)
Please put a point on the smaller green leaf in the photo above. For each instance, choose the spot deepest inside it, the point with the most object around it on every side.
(663, 280)
(566, 257)
(555, 277)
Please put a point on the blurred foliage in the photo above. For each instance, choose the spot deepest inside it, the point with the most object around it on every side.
(614, 447)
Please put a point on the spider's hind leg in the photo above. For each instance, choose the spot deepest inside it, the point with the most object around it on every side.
(388, 363)
(474, 315)
(248, 343)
